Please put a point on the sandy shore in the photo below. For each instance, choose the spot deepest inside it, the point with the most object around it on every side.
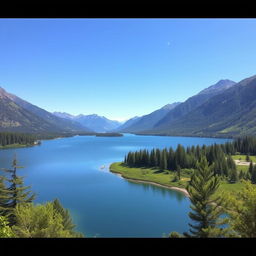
(242, 162)
(183, 190)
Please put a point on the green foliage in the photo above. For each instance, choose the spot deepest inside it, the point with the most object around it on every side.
(241, 209)
(5, 230)
(39, 221)
(206, 209)
(66, 218)
(175, 234)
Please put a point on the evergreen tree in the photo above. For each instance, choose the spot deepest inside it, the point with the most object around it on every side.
(170, 159)
(4, 196)
(253, 175)
(230, 162)
(205, 207)
(250, 168)
(241, 175)
(163, 160)
(178, 172)
(233, 176)
(66, 218)
(16, 192)
(248, 176)
(158, 157)
(152, 158)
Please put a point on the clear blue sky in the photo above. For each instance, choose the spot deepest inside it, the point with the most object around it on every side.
(120, 68)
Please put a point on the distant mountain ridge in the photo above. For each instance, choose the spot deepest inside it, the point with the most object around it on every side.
(147, 121)
(95, 122)
(229, 113)
(17, 114)
(193, 102)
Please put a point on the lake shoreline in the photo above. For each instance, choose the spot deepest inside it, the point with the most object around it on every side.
(13, 146)
(183, 190)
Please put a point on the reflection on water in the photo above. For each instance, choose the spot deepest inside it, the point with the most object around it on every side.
(159, 190)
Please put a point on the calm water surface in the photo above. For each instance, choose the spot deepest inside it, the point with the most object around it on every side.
(101, 203)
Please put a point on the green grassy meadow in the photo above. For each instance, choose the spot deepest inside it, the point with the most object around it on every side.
(166, 177)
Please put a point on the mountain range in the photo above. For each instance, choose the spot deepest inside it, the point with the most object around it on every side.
(19, 115)
(148, 121)
(93, 122)
(224, 109)
(229, 113)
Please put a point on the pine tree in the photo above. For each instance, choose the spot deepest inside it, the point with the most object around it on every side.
(67, 220)
(178, 172)
(152, 157)
(4, 196)
(170, 159)
(250, 168)
(206, 209)
(253, 176)
(241, 175)
(233, 176)
(163, 160)
(17, 192)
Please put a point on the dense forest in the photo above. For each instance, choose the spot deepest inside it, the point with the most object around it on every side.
(9, 138)
(217, 155)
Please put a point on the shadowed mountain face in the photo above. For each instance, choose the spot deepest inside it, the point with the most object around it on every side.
(192, 103)
(93, 122)
(229, 113)
(147, 121)
(19, 115)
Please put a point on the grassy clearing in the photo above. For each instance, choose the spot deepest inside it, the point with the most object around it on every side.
(166, 177)
(148, 174)
(227, 187)
(243, 157)
(15, 146)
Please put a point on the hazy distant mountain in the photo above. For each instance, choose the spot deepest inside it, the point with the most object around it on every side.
(127, 123)
(63, 115)
(17, 114)
(148, 121)
(192, 103)
(93, 122)
(231, 112)
(97, 123)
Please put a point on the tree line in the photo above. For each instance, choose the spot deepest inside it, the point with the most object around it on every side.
(217, 155)
(20, 217)
(8, 138)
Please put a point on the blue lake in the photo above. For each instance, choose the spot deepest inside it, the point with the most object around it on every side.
(101, 203)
